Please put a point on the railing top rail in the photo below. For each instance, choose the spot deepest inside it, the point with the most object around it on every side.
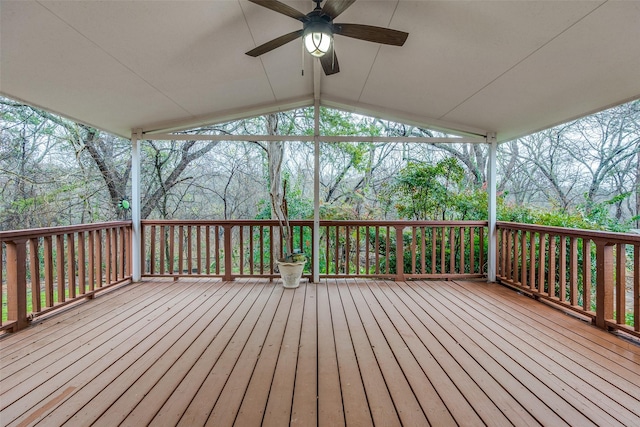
(231, 222)
(408, 223)
(52, 231)
(576, 232)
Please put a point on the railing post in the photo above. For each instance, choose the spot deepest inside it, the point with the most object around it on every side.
(399, 253)
(228, 256)
(604, 282)
(17, 283)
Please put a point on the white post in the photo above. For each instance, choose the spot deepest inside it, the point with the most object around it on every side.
(491, 188)
(135, 205)
(316, 172)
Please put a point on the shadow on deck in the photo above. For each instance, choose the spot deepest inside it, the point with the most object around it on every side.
(357, 352)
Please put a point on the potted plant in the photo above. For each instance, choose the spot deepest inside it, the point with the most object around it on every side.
(292, 263)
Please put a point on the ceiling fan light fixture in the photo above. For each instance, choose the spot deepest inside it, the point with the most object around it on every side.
(318, 30)
(317, 43)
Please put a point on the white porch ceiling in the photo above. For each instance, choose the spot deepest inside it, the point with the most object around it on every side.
(510, 67)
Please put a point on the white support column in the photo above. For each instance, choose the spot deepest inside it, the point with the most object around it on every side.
(316, 172)
(135, 205)
(492, 256)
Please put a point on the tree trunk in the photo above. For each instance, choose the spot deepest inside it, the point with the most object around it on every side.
(275, 155)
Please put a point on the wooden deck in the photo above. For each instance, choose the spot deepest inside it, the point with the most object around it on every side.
(356, 352)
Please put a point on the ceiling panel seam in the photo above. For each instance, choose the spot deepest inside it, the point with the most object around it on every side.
(524, 59)
(244, 16)
(114, 58)
(375, 58)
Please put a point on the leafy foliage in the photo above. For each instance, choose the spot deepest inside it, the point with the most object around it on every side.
(427, 191)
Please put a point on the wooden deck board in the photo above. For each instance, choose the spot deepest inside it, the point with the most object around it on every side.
(527, 363)
(583, 380)
(507, 363)
(341, 352)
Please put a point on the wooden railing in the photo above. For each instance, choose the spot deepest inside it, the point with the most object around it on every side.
(594, 273)
(45, 269)
(244, 248)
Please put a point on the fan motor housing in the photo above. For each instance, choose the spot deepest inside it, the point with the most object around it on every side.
(318, 22)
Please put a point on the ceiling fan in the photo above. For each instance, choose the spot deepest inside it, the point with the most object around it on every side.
(318, 29)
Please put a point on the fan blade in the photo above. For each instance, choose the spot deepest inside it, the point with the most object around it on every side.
(330, 62)
(275, 43)
(333, 8)
(282, 8)
(371, 33)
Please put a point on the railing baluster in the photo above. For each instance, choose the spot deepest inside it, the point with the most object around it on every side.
(162, 249)
(621, 291)
(399, 253)
(388, 250)
(586, 275)
(357, 251)
(552, 266)
(434, 248)
(114, 255)
(129, 260)
(251, 249)
(337, 248)
(452, 250)
(71, 263)
(412, 247)
(562, 259)
(98, 258)
(198, 249)
(532, 261)
(347, 250)
(91, 272)
(313, 231)
(462, 254)
(367, 254)
(228, 266)
(542, 250)
(241, 251)
(573, 271)
(34, 264)
(152, 251)
(482, 270)
(271, 246)
(523, 259)
(180, 249)
(377, 243)
(636, 288)
(472, 249)
(516, 259)
(207, 244)
(423, 250)
(60, 279)
(122, 253)
(503, 253)
(217, 249)
(327, 251)
(261, 250)
(107, 255)
(189, 255)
